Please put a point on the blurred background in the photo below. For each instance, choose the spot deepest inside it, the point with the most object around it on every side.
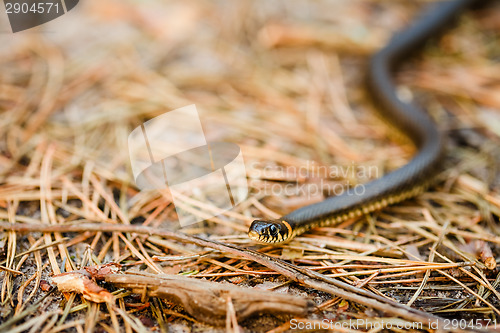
(283, 79)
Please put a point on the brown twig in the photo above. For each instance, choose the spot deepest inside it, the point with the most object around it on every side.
(206, 301)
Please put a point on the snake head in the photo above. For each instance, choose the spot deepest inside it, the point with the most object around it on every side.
(270, 231)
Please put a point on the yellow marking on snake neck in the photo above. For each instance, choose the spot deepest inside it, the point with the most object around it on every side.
(289, 227)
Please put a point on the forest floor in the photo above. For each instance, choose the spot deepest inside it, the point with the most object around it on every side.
(285, 82)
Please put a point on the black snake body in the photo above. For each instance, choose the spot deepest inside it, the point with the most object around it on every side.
(398, 185)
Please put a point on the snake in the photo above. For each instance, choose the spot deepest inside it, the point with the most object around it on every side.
(410, 119)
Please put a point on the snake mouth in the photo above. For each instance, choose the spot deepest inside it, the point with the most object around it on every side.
(254, 235)
(262, 239)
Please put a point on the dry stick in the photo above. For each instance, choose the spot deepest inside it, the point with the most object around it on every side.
(205, 300)
(298, 274)
(10, 270)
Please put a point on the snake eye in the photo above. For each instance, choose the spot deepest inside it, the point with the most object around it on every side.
(273, 230)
